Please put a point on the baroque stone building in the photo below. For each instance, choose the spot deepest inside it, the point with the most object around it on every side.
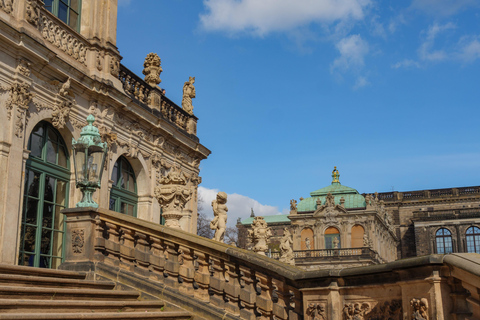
(58, 64)
(388, 226)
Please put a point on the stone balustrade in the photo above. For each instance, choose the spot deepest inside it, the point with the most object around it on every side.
(153, 100)
(428, 194)
(218, 281)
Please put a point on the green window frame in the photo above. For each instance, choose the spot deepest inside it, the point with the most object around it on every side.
(47, 177)
(66, 10)
(123, 195)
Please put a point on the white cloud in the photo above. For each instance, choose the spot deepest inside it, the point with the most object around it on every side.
(361, 82)
(352, 53)
(239, 206)
(426, 51)
(407, 63)
(443, 7)
(468, 49)
(261, 17)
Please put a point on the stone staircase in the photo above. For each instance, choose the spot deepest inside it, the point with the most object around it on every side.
(34, 293)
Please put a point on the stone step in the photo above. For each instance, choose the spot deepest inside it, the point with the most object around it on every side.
(22, 280)
(70, 306)
(40, 272)
(19, 292)
(174, 315)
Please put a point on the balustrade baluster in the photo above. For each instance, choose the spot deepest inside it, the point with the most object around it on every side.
(281, 304)
(264, 299)
(142, 254)
(157, 258)
(248, 294)
(127, 250)
(202, 277)
(232, 288)
(171, 265)
(112, 244)
(217, 283)
(187, 271)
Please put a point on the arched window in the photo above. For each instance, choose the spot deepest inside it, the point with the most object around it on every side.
(332, 238)
(473, 239)
(443, 240)
(123, 196)
(66, 10)
(357, 236)
(45, 194)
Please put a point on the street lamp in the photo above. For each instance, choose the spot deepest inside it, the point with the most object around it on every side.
(89, 154)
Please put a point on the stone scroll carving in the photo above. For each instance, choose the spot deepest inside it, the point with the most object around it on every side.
(316, 311)
(61, 113)
(32, 11)
(7, 6)
(286, 251)
(219, 222)
(259, 235)
(173, 193)
(152, 69)
(419, 309)
(78, 240)
(188, 95)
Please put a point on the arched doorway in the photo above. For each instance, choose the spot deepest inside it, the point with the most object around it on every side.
(123, 195)
(45, 194)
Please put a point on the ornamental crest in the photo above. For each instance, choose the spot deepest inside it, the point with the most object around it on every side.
(78, 240)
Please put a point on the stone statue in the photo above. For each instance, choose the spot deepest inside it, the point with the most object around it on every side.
(368, 199)
(252, 214)
(259, 235)
(307, 244)
(219, 222)
(188, 94)
(286, 251)
(152, 69)
(366, 241)
(420, 309)
(293, 206)
(335, 242)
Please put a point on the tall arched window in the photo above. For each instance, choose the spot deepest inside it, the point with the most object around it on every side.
(123, 196)
(66, 10)
(443, 240)
(473, 239)
(45, 194)
(332, 238)
(357, 236)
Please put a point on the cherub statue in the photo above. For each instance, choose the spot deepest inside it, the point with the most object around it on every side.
(219, 222)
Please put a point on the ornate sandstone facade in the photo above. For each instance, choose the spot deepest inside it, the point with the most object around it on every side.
(53, 74)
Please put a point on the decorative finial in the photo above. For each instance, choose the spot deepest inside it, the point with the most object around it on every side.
(335, 175)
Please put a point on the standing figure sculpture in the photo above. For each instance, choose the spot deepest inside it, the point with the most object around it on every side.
(286, 251)
(219, 222)
(188, 94)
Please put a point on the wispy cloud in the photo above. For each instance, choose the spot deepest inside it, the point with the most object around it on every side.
(263, 17)
(239, 206)
(407, 63)
(426, 51)
(468, 49)
(443, 7)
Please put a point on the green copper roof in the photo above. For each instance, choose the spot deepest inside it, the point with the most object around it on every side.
(352, 198)
(278, 218)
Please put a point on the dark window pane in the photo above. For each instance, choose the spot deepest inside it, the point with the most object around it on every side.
(74, 5)
(46, 241)
(29, 236)
(48, 5)
(62, 157)
(63, 11)
(61, 192)
(36, 146)
(47, 215)
(112, 204)
(73, 19)
(51, 152)
(49, 188)
(31, 211)
(59, 218)
(33, 183)
(44, 262)
(131, 183)
(123, 208)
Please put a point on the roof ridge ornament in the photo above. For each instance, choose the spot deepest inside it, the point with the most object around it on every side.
(335, 175)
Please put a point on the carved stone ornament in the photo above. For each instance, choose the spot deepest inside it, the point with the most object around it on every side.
(391, 310)
(61, 113)
(7, 6)
(23, 67)
(99, 60)
(20, 97)
(316, 311)
(172, 193)
(78, 240)
(152, 69)
(329, 209)
(219, 222)
(293, 206)
(114, 66)
(32, 11)
(188, 95)
(419, 309)
(259, 235)
(286, 251)
(355, 311)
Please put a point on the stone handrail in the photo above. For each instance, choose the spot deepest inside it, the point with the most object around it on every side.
(245, 285)
(427, 194)
(153, 100)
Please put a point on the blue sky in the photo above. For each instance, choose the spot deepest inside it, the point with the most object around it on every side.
(387, 91)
